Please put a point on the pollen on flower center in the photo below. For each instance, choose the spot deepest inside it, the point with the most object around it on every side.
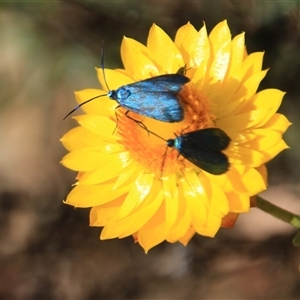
(198, 108)
(152, 152)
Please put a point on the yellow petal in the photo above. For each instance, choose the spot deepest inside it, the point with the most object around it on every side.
(102, 125)
(111, 168)
(261, 101)
(221, 181)
(88, 195)
(82, 160)
(246, 180)
(99, 106)
(186, 33)
(223, 100)
(102, 214)
(233, 78)
(211, 227)
(250, 86)
(252, 64)
(171, 199)
(202, 56)
(238, 203)
(79, 138)
(195, 198)
(242, 121)
(165, 52)
(278, 122)
(141, 217)
(245, 155)
(220, 45)
(194, 47)
(89, 159)
(254, 181)
(188, 236)
(219, 36)
(265, 139)
(236, 57)
(272, 152)
(135, 221)
(136, 60)
(243, 137)
(139, 191)
(149, 237)
(219, 65)
(115, 79)
(264, 173)
(182, 226)
(218, 200)
(231, 181)
(127, 175)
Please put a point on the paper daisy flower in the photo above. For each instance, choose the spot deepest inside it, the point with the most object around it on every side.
(120, 165)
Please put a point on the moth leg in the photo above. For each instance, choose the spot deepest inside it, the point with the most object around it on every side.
(186, 128)
(117, 120)
(163, 162)
(140, 123)
(181, 160)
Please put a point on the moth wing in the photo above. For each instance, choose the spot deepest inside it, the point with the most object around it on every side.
(215, 163)
(162, 83)
(155, 97)
(203, 149)
(162, 106)
(213, 139)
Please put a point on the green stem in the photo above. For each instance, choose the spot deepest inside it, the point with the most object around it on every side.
(278, 212)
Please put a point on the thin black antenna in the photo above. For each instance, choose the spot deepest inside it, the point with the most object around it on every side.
(163, 162)
(149, 131)
(165, 154)
(167, 146)
(102, 65)
(79, 105)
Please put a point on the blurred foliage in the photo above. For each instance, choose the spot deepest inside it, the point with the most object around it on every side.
(48, 49)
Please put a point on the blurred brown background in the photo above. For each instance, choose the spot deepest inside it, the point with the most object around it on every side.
(48, 49)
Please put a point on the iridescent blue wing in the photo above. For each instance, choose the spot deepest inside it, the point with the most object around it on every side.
(162, 83)
(161, 106)
(203, 149)
(155, 97)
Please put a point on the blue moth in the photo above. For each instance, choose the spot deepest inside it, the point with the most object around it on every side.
(155, 97)
(202, 148)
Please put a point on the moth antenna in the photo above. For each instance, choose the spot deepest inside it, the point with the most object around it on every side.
(165, 154)
(149, 131)
(163, 162)
(102, 66)
(83, 103)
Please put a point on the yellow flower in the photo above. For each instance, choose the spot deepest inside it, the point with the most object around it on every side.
(119, 164)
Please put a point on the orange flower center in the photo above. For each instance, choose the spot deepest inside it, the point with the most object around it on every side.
(152, 152)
